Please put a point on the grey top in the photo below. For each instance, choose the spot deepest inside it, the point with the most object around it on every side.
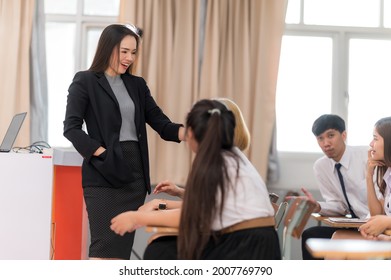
(126, 106)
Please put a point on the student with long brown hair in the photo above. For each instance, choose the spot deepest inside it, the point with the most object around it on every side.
(226, 211)
(379, 198)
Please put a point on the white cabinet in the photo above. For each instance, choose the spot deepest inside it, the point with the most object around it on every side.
(26, 183)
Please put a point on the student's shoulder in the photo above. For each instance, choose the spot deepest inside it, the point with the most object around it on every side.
(323, 165)
(321, 161)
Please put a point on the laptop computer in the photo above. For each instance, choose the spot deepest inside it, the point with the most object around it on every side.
(12, 132)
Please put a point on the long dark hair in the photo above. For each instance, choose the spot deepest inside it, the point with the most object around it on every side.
(383, 127)
(213, 127)
(109, 40)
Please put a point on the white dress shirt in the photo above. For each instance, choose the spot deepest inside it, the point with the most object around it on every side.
(354, 166)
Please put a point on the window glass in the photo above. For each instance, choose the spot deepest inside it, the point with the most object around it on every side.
(369, 87)
(293, 12)
(303, 90)
(60, 60)
(93, 35)
(101, 7)
(342, 12)
(70, 49)
(387, 13)
(67, 7)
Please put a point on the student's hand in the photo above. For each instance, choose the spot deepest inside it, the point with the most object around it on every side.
(310, 197)
(182, 134)
(371, 164)
(124, 222)
(152, 205)
(383, 237)
(169, 188)
(375, 226)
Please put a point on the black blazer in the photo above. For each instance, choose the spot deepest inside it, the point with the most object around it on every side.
(92, 100)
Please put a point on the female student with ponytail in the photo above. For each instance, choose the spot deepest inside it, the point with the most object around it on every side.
(242, 139)
(226, 211)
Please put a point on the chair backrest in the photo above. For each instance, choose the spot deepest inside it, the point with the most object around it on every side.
(297, 216)
(279, 213)
(273, 197)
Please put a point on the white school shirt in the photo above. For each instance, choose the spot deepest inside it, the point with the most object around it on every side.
(249, 197)
(387, 192)
(354, 166)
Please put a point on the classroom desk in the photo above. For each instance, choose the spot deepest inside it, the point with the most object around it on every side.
(349, 248)
(338, 224)
(319, 218)
(325, 220)
(159, 231)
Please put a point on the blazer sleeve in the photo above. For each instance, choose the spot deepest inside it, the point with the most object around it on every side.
(77, 105)
(158, 120)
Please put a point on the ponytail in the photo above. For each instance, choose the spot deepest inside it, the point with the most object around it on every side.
(213, 128)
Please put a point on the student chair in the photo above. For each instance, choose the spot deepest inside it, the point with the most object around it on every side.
(296, 217)
(279, 214)
(273, 197)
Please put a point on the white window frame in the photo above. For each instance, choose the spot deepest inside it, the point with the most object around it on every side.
(296, 167)
(82, 24)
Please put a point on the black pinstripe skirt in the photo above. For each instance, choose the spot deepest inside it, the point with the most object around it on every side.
(105, 203)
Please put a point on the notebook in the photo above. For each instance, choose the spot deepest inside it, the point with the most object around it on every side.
(347, 220)
(12, 132)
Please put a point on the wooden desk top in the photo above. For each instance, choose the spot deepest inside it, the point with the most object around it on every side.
(160, 232)
(326, 220)
(159, 229)
(349, 248)
(318, 217)
(341, 224)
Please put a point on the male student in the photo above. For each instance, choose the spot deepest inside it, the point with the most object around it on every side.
(344, 193)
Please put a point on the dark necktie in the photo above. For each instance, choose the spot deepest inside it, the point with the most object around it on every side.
(338, 167)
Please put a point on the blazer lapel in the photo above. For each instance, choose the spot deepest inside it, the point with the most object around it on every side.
(106, 86)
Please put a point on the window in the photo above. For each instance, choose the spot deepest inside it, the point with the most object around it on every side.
(73, 28)
(369, 86)
(335, 58)
(305, 91)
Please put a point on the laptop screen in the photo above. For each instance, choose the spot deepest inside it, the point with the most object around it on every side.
(12, 132)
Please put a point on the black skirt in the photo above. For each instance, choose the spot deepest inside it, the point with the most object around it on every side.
(162, 248)
(250, 244)
(105, 203)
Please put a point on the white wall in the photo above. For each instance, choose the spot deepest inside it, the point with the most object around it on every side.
(296, 171)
